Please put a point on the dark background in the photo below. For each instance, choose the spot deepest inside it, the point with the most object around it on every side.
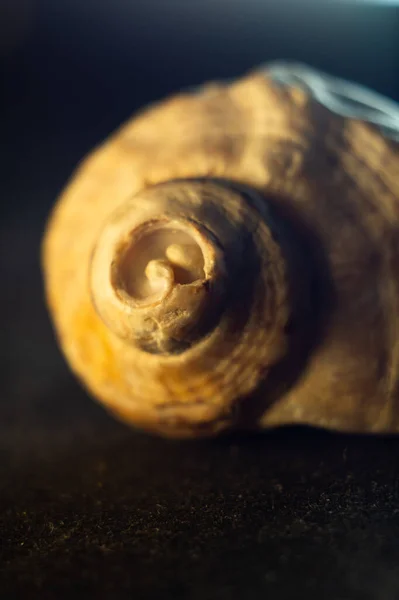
(89, 508)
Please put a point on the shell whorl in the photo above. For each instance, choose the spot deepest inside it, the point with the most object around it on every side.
(192, 276)
(158, 274)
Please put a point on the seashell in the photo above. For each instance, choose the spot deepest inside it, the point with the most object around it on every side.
(229, 258)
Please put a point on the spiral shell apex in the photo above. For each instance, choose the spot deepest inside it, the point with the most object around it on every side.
(202, 276)
(189, 274)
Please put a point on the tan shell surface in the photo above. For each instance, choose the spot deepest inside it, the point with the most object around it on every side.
(335, 181)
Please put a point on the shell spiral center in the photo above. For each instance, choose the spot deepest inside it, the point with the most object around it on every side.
(156, 261)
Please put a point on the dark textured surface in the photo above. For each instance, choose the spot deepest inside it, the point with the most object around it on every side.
(89, 508)
(119, 513)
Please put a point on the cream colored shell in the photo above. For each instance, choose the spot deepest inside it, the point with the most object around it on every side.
(230, 259)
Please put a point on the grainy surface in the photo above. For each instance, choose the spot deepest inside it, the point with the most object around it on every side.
(89, 509)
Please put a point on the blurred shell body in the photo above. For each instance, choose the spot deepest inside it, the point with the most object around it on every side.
(230, 259)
